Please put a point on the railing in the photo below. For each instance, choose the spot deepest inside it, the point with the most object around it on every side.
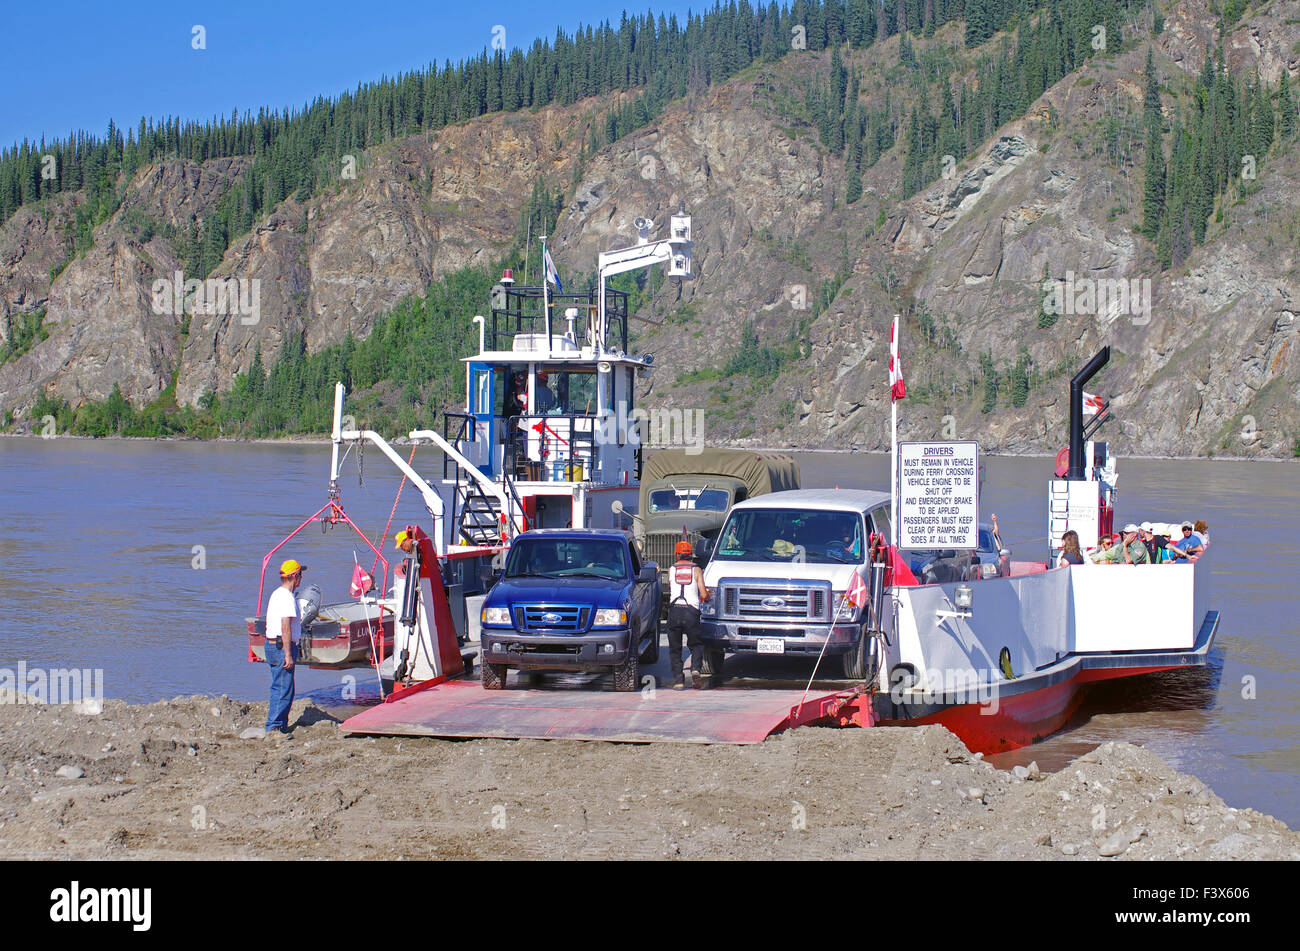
(522, 314)
(457, 428)
(551, 447)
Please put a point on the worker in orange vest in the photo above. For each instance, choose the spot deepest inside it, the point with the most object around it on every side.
(686, 590)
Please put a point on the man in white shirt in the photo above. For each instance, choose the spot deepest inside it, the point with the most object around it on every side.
(283, 629)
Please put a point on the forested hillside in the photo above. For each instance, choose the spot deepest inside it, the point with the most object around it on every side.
(921, 156)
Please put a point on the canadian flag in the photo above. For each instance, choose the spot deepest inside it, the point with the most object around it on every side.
(897, 388)
(1092, 404)
(857, 593)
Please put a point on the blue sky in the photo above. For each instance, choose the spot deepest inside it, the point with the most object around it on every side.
(75, 65)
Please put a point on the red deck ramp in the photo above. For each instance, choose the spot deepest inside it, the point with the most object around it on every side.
(462, 708)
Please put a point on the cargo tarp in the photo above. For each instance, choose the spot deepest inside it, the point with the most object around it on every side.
(762, 472)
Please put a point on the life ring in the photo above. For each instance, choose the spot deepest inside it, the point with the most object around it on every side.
(1063, 463)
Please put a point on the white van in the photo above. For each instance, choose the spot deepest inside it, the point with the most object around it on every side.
(779, 571)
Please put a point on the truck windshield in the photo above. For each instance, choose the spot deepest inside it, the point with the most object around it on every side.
(698, 500)
(567, 558)
(791, 535)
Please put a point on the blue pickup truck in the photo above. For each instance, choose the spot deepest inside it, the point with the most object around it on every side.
(571, 599)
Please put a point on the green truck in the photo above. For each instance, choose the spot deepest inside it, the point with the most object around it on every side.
(688, 494)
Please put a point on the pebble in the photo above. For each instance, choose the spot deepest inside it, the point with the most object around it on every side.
(215, 711)
(253, 733)
(976, 793)
(1117, 844)
(70, 772)
(1069, 849)
(1020, 772)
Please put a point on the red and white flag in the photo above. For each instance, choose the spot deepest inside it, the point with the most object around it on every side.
(857, 593)
(897, 388)
(362, 581)
(1092, 404)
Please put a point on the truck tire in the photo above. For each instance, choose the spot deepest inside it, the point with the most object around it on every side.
(627, 673)
(855, 661)
(713, 664)
(651, 654)
(493, 676)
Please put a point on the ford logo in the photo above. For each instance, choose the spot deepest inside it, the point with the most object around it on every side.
(552, 618)
(774, 602)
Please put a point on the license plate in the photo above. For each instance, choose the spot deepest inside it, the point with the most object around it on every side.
(771, 645)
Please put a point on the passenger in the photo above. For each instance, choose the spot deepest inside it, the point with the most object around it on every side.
(1160, 539)
(514, 405)
(1135, 550)
(1070, 554)
(687, 590)
(997, 537)
(1202, 530)
(1186, 546)
(1146, 533)
(543, 399)
(1107, 552)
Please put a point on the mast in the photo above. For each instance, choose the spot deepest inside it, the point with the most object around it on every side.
(546, 306)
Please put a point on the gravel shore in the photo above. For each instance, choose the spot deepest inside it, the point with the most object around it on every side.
(175, 780)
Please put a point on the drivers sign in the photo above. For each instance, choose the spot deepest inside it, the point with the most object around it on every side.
(938, 495)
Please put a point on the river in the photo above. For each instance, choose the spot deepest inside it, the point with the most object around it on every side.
(142, 558)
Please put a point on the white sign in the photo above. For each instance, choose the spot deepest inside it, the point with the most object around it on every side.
(938, 495)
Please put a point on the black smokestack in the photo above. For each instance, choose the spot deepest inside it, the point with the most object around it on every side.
(1090, 369)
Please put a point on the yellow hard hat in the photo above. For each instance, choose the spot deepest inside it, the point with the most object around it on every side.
(290, 567)
(400, 537)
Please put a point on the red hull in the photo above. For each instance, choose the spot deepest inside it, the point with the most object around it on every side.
(1021, 719)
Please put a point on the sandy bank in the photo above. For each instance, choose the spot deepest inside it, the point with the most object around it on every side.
(174, 780)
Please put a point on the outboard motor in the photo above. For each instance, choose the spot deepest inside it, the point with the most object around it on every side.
(309, 601)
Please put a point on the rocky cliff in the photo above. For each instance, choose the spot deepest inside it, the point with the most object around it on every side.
(1209, 368)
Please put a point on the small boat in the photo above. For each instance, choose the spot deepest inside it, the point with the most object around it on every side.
(341, 636)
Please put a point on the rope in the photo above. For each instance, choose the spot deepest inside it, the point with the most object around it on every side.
(393, 511)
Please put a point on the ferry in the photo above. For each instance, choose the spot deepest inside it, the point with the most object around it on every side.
(548, 439)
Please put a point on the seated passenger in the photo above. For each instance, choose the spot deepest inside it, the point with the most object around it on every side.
(1070, 554)
(1155, 543)
(1107, 552)
(1135, 549)
(1186, 546)
(1202, 530)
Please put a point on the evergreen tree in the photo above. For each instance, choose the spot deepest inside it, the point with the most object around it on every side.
(1153, 188)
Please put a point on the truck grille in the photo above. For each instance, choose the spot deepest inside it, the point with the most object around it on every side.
(661, 547)
(776, 601)
(552, 618)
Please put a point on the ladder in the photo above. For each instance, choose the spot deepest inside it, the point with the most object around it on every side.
(478, 518)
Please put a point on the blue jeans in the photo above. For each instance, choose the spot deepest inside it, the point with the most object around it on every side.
(277, 716)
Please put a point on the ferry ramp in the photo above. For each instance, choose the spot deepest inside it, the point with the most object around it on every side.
(462, 708)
